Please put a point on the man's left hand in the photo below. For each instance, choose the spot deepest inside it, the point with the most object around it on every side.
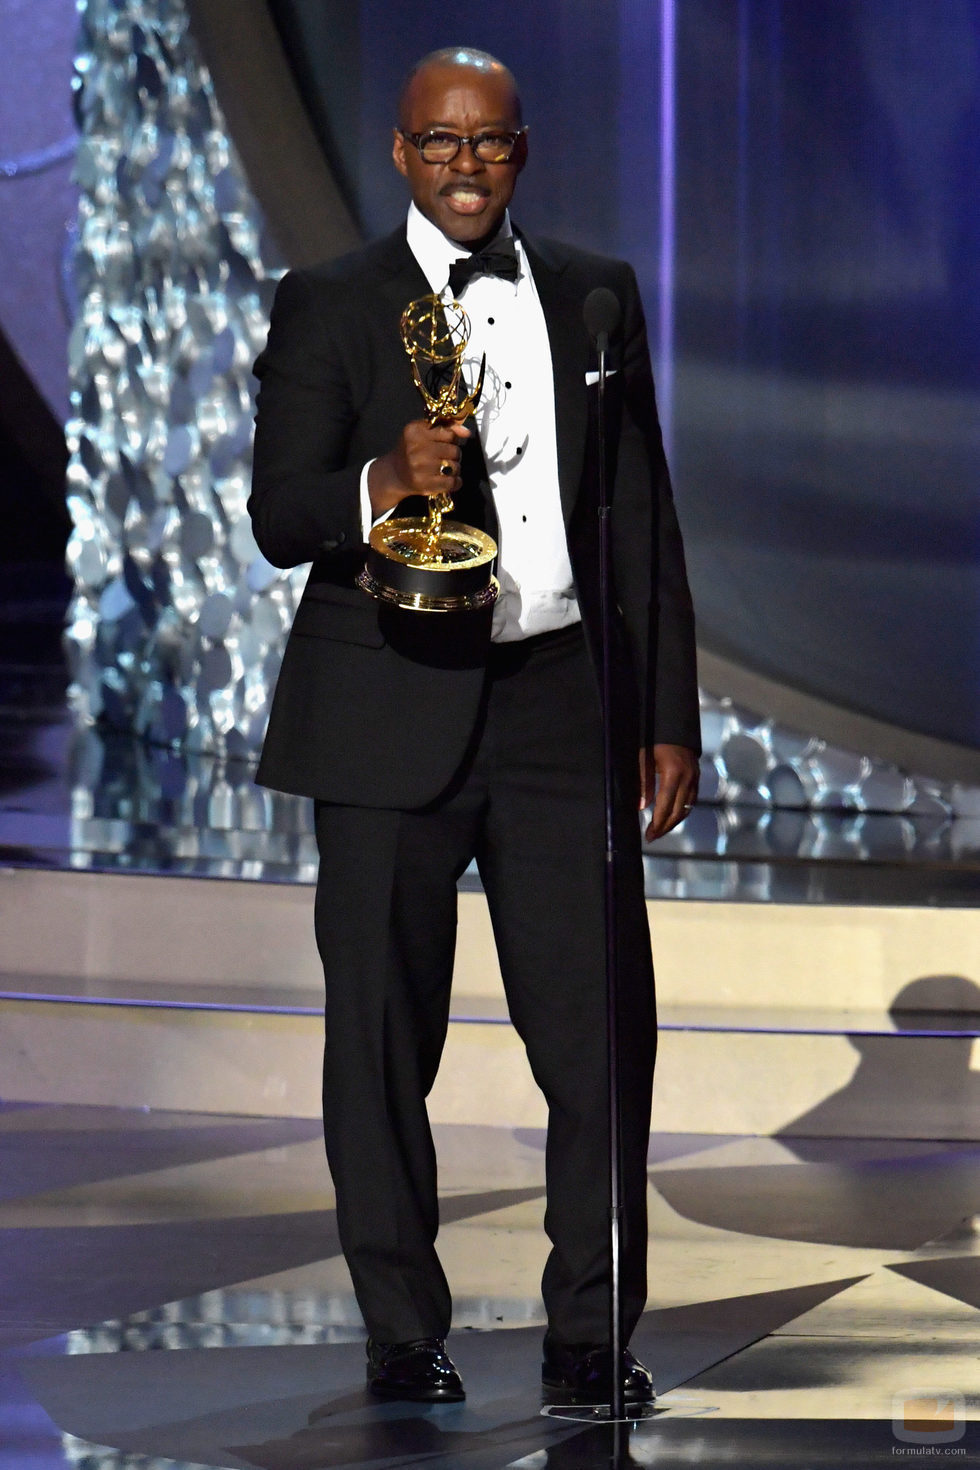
(668, 782)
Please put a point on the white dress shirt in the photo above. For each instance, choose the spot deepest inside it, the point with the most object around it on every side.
(516, 421)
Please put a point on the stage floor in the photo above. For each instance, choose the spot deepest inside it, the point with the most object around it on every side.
(173, 1296)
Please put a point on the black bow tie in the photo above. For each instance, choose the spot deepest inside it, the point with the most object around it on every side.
(501, 260)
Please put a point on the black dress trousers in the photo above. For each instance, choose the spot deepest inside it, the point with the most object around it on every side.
(527, 803)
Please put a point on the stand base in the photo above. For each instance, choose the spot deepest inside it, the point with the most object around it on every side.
(453, 576)
(600, 1413)
(424, 601)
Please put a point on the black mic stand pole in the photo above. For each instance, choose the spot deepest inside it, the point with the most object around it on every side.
(601, 315)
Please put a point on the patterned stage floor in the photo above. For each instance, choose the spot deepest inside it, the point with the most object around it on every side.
(172, 1295)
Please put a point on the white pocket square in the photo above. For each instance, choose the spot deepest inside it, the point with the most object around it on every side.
(593, 377)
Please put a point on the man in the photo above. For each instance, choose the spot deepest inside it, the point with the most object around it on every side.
(427, 739)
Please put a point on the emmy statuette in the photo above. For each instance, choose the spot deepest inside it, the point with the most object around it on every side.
(428, 563)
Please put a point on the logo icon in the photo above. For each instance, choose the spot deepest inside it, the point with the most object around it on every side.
(926, 1416)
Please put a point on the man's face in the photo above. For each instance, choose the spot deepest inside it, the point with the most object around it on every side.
(464, 198)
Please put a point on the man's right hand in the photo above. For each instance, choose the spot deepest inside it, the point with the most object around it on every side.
(413, 466)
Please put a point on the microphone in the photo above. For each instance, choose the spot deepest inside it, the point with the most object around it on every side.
(601, 313)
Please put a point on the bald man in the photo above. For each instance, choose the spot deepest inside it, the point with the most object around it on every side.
(427, 741)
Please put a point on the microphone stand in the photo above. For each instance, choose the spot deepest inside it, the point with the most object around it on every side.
(602, 311)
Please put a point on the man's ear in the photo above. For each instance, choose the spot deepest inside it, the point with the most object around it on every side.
(520, 153)
(398, 153)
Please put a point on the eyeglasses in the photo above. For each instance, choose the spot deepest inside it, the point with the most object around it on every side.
(442, 147)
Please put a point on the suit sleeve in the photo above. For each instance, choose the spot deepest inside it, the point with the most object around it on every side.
(305, 496)
(670, 688)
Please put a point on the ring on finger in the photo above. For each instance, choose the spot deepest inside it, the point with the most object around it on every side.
(446, 469)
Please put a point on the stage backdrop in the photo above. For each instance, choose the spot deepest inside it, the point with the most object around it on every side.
(801, 233)
(797, 183)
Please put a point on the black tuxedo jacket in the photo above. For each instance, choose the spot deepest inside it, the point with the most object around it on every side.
(375, 706)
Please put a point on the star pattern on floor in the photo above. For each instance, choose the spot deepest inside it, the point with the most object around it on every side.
(156, 1248)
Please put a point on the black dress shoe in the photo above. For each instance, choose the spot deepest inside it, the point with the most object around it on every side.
(581, 1373)
(420, 1371)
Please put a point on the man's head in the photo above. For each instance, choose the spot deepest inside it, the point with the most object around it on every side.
(468, 93)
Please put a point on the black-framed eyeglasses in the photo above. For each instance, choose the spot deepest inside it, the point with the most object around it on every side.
(440, 146)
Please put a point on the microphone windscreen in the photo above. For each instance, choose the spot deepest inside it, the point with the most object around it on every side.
(601, 312)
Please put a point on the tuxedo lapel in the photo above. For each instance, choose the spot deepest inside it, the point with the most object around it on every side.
(401, 277)
(561, 302)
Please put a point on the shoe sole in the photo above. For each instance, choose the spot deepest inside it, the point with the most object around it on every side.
(418, 1396)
